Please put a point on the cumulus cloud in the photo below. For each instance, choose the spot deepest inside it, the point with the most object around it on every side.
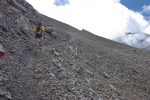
(116, 1)
(61, 2)
(146, 12)
(146, 9)
(139, 40)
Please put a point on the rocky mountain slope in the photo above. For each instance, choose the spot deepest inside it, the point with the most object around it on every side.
(72, 65)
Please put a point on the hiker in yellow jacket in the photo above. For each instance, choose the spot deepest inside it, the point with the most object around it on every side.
(39, 32)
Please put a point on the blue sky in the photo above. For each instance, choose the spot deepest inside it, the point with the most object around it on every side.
(136, 5)
(142, 6)
(106, 18)
(61, 2)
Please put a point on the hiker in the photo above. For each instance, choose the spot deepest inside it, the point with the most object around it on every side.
(39, 31)
(2, 52)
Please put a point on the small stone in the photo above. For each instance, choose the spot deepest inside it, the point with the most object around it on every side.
(134, 50)
(117, 99)
(71, 48)
(38, 76)
(55, 52)
(98, 56)
(53, 75)
(106, 75)
(112, 87)
(100, 98)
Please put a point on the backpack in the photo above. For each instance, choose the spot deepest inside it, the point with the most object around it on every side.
(39, 30)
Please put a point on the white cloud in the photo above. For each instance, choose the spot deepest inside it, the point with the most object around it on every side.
(146, 9)
(106, 18)
(117, 1)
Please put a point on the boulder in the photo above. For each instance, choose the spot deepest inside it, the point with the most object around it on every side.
(49, 29)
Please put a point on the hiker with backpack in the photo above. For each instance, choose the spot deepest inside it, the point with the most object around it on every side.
(39, 32)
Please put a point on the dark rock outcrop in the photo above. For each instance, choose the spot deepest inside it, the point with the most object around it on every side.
(72, 65)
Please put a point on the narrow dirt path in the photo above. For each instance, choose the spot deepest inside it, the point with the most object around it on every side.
(28, 74)
(29, 81)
